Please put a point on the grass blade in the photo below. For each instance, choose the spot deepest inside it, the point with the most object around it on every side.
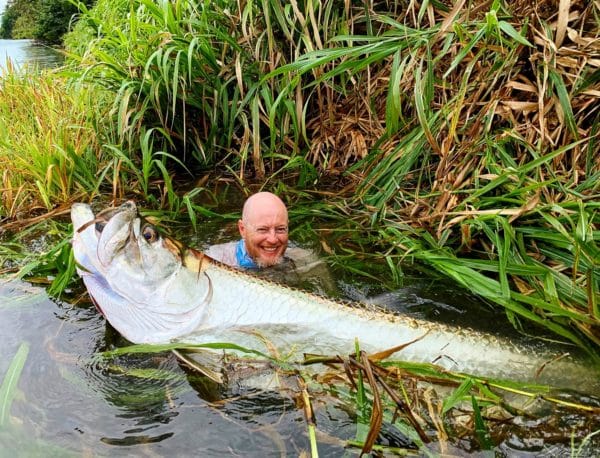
(10, 382)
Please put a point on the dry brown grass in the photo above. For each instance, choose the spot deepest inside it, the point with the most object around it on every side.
(510, 92)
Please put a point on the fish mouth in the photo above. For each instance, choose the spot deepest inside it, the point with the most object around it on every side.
(115, 228)
(101, 218)
(116, 219)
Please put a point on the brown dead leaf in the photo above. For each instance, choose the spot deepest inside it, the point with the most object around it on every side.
(563, 20)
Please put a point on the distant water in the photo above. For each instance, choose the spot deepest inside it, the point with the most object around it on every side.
(22, 53)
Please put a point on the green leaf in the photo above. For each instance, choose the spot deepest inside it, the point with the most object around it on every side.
(565, 101)
(508, 29)
(480, 429)
(10, 382)
(458, 395)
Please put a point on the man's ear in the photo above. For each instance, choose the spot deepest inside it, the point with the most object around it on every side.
(242, 228)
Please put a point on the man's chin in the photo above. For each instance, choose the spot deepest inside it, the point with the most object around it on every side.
(269, 262)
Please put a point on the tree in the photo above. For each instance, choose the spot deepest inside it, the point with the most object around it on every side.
(43, 20)
(9, 17)
(54, 19)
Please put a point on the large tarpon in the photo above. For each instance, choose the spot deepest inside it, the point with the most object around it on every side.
(153, 290)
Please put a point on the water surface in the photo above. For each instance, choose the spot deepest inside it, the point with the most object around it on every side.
(70, 401)
(19, 53)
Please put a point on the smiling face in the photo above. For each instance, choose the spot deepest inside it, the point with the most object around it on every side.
(264, 228)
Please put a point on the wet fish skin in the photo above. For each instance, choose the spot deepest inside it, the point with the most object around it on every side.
(157, 291)
(149, 297)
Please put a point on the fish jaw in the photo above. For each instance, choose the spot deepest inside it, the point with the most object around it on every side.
(85, 239)
(117, 232)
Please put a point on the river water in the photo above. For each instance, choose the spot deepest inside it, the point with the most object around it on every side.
(69, 400)
(19, 53)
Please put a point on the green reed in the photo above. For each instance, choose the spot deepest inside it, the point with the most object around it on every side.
(192, 75)
(462, 178)
(48, 141)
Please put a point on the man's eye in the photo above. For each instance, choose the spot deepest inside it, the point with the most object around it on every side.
(262, 230)
(150, 234)
(281, 230)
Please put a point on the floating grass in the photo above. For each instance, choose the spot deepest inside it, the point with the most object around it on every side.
(10, 382)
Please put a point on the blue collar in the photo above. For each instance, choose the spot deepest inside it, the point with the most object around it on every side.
(242, 257)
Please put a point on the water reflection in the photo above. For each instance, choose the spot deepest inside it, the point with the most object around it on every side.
(22, 53)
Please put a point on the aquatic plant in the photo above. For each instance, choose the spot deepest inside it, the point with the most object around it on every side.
(421, 406)
(10, 381)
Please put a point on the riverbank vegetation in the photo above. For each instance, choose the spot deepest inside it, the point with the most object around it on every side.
(46, 21)
(462, 136)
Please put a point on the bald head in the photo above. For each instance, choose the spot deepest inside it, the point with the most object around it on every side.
(264, 228)
(261, 203)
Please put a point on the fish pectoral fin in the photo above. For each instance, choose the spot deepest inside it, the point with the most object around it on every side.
(95, 302)
(204, 362)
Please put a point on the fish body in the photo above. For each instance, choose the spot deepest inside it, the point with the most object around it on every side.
(153, 290)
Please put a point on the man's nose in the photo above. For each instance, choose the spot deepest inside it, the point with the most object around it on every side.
(272, 235)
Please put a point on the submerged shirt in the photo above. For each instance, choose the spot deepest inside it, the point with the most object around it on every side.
(242, 257)
(234, 254)
(299, 266)
(227, 253)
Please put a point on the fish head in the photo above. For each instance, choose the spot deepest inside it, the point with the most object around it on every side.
(119, 238)
(135, 275)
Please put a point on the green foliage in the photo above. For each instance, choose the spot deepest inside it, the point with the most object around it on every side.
(54, 20)
(46, 20)
(163, 64)
(461, 147)
(480, 427)
(7, 22)
(50, 141)
(10, 381)
(23, 14)
(191, 74)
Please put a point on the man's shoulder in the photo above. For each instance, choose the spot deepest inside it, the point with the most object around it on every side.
(223, 252)
(303, 259)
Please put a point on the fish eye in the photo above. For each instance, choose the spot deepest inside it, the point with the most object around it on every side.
(150, 233)
(100, 226)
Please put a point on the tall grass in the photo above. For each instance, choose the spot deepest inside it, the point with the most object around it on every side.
(193, 74)
(49, 142)
(479, 161)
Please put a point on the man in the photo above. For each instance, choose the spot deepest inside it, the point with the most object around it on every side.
(264, 246)
(264, 231)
